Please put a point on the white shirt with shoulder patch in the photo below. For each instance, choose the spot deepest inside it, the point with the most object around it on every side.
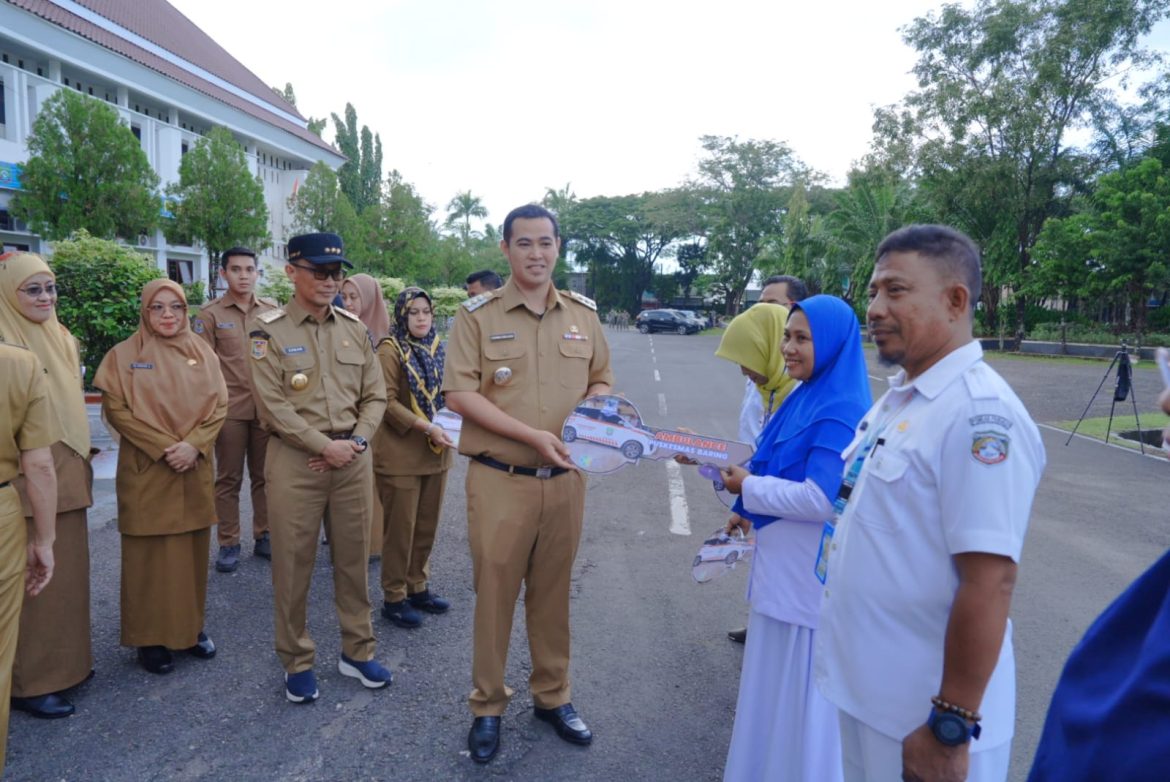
(955, 471)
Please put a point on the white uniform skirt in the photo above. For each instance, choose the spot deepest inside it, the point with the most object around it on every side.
(784, 729)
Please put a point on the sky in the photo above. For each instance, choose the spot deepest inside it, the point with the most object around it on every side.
(506, 98)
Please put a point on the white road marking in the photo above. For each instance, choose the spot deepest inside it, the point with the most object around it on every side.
(875, 377)
(657, 377)
(679, 525)
(662, 404)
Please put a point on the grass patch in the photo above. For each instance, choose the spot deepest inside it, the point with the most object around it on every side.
(1095, 428)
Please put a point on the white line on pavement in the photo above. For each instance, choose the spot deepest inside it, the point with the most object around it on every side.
(662, 404)
(679, 525)
(657, 377)
(1151, 451)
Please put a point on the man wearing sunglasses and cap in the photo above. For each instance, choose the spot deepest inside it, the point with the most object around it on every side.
(319, 390)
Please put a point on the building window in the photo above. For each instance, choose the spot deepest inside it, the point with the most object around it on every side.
(137, 131)
(183, 148)
(182, 272)
(3, 112)
(6, 221)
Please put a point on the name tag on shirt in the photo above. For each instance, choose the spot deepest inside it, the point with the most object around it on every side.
(138, 365)
(225, 325)
(294, 350)
(502, 337)
(577, 337)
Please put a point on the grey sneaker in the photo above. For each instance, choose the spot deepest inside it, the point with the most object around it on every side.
(263, 547)
(228, 558)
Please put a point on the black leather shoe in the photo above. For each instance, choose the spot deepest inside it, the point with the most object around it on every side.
(204, 648)
(156, 659)
(483, 740)
(739, 636)
(431, 603)
(45, 707)
(569, 726)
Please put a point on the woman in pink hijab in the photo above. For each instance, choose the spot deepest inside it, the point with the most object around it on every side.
(362, 295)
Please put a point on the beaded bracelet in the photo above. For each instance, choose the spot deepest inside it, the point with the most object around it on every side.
(967, 714)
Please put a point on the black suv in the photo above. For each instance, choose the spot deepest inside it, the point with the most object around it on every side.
(665, 320)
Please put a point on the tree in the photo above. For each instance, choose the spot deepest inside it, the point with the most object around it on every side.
(86, 170)
(315, 126)
(361, 174)
(1001, 87)
(218, 202)
(621, 240)
(103, 280)
(865, 213)
(743, 188)
(315, 204)
(462, 208)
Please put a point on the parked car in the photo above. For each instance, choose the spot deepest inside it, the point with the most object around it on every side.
(665, 320)
(698, 319)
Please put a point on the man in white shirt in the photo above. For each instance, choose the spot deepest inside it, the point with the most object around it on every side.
(784, 290)
(915, 643)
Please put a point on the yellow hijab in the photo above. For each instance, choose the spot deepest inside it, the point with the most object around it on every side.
(53, 345)
(752, 340)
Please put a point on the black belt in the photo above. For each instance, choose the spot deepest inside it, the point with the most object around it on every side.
(339, 435)
(543, 473)
(5, 485)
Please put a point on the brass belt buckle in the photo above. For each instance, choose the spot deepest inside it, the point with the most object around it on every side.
(544, 472)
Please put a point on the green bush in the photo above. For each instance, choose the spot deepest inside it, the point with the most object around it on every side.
(277, 286)
(101, 283)
(1096, 335)
(1158, 318)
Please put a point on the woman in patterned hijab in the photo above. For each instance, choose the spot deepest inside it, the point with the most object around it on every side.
(412, 455)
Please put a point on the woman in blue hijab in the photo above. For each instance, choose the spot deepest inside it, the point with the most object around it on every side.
(784, 728)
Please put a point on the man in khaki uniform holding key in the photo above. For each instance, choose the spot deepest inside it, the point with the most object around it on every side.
(519, 360)
(319, 390)
(222, 323)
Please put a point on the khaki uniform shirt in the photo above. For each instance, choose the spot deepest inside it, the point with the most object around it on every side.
(398, 448)
(27, 421)
(332, 360)
(534, 368)
(223, 323)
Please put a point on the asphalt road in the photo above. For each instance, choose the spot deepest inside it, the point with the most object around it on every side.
(653, 673)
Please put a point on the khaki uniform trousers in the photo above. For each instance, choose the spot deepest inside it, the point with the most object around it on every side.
(411, 507)
(239, 439)
(297, 509)
(13, 558)
(522, 529)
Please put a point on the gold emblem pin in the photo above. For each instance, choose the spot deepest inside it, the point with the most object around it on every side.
(572, 329)
(299, 381)
(502, 376)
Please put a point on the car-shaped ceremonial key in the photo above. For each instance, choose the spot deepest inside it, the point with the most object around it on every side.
(605, 433)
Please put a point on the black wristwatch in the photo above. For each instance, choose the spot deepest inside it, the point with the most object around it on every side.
(360, 441)
(951, 729)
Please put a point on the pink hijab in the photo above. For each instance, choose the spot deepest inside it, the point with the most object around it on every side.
(373, 313)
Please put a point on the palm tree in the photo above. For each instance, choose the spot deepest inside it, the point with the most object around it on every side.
(463, 207)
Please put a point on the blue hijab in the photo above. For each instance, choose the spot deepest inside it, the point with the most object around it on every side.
(823, 411)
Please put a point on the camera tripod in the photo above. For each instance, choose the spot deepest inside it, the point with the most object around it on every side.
(1123, 389)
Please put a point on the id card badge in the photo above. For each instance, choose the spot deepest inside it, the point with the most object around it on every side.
(822, 567)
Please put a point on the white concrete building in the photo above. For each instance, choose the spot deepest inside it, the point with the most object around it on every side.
(170, 82)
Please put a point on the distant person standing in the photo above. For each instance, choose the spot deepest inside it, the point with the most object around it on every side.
(519, 360)
(222, 323)
(914, 646)
(412, 455)
(483, 281)
(54, 652)
(28, 429)
(319, 390)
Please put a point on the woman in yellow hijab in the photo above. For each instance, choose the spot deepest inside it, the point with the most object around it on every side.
(752, 340)
(53, 651)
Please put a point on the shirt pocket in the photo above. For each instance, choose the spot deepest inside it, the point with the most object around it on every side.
(227, 343)
(886, 497)
(292, 368)
(505, 368)
(574, 369)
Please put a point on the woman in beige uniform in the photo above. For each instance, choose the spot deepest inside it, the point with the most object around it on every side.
(411, 458)
(165, 395)
(53, 651)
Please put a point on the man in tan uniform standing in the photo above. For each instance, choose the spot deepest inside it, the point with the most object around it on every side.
(28, 427)
(519, 360)
(319, 390)
(223, 323)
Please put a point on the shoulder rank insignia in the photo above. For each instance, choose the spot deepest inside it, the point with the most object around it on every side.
(577, 297)
(270, 316)
(268, 301)
(474, 303)
(346, 313)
